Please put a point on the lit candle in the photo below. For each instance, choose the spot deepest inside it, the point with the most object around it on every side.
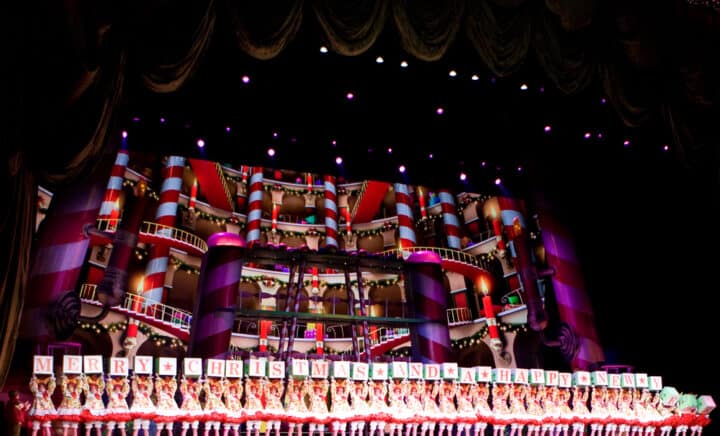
(348, 224)
(421, 200)
(309, 181)
(490, 315)
(193, 195)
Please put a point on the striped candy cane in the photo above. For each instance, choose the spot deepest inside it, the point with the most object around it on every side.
(241, 193)
(114, 186)
(215, 307)
(57, 260)
(331, 226)
(581, 345)
(450, 219)
(255, 206)
(156, 268)
(431, 338)
(512, 216)
(406, 222)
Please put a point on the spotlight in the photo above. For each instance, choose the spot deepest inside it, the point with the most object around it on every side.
(452, 73)
(463, 176)
(162, 120)
(271, 152)
(350, 96)
(440, 111)
(547, 128)
(403, 64)
(430, 156)
(474, 77)
(587, 135)
(379, 60)
(401, 168)
(626, 143)
(246, 79)
(523, 87)
(389, 150)
(227, 129)
(666, 147)
(323, 49)
(498, 181)
(200, 143)
(339, 160)
(124, 134)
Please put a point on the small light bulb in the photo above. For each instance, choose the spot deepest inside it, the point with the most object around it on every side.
(323, 49)
(379, 60)
(403, 64)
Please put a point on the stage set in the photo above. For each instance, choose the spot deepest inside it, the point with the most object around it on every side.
(249, 299)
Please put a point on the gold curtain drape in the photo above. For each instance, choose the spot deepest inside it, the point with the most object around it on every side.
(68, 81)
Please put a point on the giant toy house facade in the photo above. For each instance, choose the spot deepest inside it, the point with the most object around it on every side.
(189, 258)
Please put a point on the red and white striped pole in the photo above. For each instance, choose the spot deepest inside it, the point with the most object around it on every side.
(109, 208)
(166, 214)
(309, 181)
(450, 219)
(511, 212)
(406, 222)
(315, 290)
(255, 207)
(331, 227)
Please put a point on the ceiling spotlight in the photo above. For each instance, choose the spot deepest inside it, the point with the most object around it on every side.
(430, 156)
(162, 120)
(401, 168)
(403, 64)
(599, 135)
(271, 152)
(666, 147)
(124, 134)
(463, 176)
(338, 160)
(334, 143)
(350, 96)
(587, 135)
(603, 100)
(227, 129)
(275, 134)
(200, 143)
(626, 143)
(498, 181)
(452, 73)
(323, 49)
(483, 164)
(474, 77)
(136, 119)
(547, 128)
(440, 111)
(389, 150)
(246, 79)
(519, 168)
(379, 60)
(523, 87)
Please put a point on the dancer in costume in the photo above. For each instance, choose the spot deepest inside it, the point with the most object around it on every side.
(253, 405)
(215, 410)
(448, 389)
(483, 413)
(564, 412)
(295, 407)
(358, 397)
(43, 410)
(340, 411)
(68, 413)
(500, 394)
(273, 405)
(93, 411)
(166, 409)
(611, 403)
(667, 416)
(640, 404)
(626, 415)
(397, 409)
(551, 412)
(598, 410)
(233, 416)
(535, 410)
(378, 406)
(413, 401)
(142, 409)
(317, 394)
(700, 421)
(191, 409)
(431, 412)
(117, 412)
(518, 413)
(580, 410)
(465, 410)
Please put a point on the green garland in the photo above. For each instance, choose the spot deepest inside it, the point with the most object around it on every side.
(483, 332)
(273, 281)
(148, 190)
(119, 327)
(214, 218)
(400, 352)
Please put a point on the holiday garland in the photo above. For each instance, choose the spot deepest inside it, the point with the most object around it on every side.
(119, 327)
(483, 332)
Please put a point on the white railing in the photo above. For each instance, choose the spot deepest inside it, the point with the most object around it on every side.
(382, 335)
(139, 305)
(458, 316)
(110, 225)
(445, 253)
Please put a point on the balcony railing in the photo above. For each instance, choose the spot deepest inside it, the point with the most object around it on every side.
(459, 316)
(445, 253)
(138, 305)
(383, 335)
(158, 230)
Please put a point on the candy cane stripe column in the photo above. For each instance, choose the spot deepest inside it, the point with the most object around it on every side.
(156, 268)
(255, 206)
(331, 226)
(216, 303)
(450, 219)
(431, 338)
(511, 213)
(406, 222)
(115, 185)
(57, 260)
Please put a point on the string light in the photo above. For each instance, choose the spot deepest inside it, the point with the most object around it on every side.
(403, 64)
(452, 73)
(323, 49)
(379, 60)
(246, 79)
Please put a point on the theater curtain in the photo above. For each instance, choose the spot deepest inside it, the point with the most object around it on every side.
(68, 65)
